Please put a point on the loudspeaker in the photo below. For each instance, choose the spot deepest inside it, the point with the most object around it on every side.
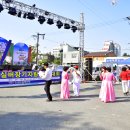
(88, 69)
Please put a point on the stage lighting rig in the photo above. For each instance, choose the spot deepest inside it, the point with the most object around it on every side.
(31, 12)
(30, 16)
(46, 13)
(66, 26)
(12, 11)
(50, 21)
(1, 7)
(25, 15)
(72, 21)
(19, 14)
(41, 19)
(74, 28)
(34, 5)
(59, 24)
(8, 1)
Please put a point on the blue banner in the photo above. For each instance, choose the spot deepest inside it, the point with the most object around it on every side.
(20, 55)
(25, 78)
(4, 47)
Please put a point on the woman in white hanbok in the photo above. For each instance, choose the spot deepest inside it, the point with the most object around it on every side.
(76, 81)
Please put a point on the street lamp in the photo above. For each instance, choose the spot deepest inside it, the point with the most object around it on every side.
(37, 44)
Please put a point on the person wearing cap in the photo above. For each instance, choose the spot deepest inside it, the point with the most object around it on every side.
(47, 76)
(124, 80)
(76, 81)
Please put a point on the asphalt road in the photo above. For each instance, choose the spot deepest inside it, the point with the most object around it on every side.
(25, 108)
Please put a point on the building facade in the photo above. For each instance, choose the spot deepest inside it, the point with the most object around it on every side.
(99, 57)
(57, 51)
(70, 55)
(113, 47)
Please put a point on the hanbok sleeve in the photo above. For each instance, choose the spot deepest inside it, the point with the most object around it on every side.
(113, 78)
(121, 75)
(101, 76)
(66, 76)
(41, 74)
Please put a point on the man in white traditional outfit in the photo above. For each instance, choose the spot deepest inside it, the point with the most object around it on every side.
(76, 81)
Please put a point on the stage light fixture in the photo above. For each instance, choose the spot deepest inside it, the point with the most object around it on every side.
(1, 7)
(31, 16)
(50, 21)
(46, 13)
(34, 5)
(25, 15)
(12, 11)
(66, 26)
(59, 24)
(41, 19)
(72, 21)
(19, 14)
(8, 1)
(74, 28)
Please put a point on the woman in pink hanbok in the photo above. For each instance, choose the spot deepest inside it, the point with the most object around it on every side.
(107, 92)
(103, 69)
(65, 93)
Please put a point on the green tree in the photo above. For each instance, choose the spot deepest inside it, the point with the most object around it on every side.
(57, 61)
(125, 54)
(43, 61)
(33, 54)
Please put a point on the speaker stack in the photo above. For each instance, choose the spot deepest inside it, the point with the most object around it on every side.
(88, 69)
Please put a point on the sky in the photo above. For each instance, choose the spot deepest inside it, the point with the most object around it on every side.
(103, 22)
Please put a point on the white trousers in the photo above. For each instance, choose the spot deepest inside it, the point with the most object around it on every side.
(128, 83)
(76, 88)
(125, 86)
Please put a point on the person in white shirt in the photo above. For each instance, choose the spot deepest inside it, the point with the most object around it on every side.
(70, 71)
(76, 81)
(47, 76)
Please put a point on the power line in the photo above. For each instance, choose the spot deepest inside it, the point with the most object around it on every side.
(103, 18)
(107, 23)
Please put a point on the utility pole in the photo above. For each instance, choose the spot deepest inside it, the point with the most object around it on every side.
(37, 44)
